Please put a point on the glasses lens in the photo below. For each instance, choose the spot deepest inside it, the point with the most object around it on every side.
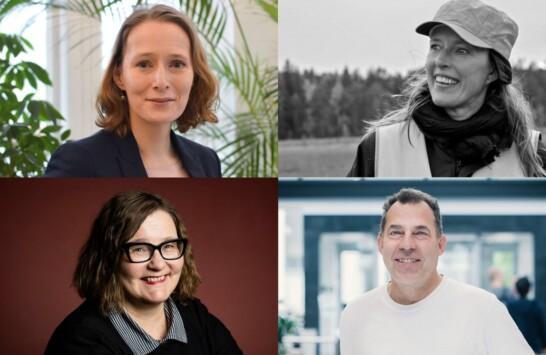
(140, 252)
(173, 249)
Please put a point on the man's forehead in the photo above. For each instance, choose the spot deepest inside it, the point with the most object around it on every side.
(414, 209)
(401, 226)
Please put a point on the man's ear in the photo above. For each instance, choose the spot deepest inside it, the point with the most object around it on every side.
(117, 78)
(442, 242)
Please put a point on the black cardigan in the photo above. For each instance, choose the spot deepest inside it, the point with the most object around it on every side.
(86, 332)
(104, 154)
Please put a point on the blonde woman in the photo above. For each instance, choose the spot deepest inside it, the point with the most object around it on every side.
(463, 116)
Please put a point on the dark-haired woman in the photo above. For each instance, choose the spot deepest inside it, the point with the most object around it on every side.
(138, 278)
(158, 77)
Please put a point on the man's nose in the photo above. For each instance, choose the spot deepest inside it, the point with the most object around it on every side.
(407, 242)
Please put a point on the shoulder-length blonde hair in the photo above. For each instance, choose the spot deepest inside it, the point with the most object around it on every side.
(97, 275)
(113, 110)
(518, 110)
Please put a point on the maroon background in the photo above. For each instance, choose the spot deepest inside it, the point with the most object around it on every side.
(232, 225)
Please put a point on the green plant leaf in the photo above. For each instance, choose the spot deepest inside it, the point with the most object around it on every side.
(6, 6)
(42, 75)
(51, 129)
(19, 79)
(65, 135)
(270, 8)
(31, 79)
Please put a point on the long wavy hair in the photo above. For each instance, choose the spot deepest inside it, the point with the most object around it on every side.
(97, 275)
(513, 101)
(113, 109)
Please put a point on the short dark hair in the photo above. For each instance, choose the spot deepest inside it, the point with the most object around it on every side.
(523, 285)
(97, 273)
(413, 196)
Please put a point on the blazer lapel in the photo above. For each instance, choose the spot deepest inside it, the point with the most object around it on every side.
(129, 158)
(189, 161)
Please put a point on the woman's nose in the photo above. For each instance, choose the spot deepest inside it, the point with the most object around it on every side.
(157, 261)
(160, 78)
(442, 58)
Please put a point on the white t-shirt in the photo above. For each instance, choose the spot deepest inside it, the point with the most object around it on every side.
(455, 319)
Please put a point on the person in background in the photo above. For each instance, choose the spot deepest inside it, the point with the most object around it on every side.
(497, 287)
(420, 311)
(463, 116)
(529, 316)
(158, 78)
(138, 277)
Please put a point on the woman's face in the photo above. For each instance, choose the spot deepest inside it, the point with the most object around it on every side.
(156, 73)
(151, 282)
(458, 73)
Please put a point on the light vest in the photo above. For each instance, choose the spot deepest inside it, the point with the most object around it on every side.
(395, 156)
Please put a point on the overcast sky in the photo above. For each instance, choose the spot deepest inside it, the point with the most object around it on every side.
(328, 34)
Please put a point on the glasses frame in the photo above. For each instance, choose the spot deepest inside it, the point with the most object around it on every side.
(157, 247)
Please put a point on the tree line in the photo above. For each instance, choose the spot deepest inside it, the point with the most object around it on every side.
(316, 105)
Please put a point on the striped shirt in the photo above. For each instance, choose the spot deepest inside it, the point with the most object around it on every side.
(138, 340)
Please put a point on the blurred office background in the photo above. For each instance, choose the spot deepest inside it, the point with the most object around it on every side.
(341, 64)
(328, 254)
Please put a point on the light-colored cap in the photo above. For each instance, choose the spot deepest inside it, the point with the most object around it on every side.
(478, 24)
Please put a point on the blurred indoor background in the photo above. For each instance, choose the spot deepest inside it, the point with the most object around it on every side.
(328, 254)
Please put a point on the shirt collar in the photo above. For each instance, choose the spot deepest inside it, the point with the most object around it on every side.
(138, 340)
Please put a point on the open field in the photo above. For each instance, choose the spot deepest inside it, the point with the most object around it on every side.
(317, 157)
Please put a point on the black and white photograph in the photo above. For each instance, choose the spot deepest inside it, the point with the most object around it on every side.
(412, 89)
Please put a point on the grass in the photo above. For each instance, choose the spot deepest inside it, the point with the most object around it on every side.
(317, 157)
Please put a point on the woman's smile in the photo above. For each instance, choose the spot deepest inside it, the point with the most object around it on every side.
(458, 73)
(443, 80)
(154, 280)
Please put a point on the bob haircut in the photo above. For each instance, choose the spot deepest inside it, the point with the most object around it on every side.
(97, 274)
(111, 104)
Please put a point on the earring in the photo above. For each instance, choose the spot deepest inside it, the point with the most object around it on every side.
(122, 97)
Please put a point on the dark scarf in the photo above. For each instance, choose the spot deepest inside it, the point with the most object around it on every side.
(476, 140)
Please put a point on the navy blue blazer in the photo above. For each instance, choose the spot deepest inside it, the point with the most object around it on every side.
(104, 154)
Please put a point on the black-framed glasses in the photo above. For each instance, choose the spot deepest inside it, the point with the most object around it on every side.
(141, 252)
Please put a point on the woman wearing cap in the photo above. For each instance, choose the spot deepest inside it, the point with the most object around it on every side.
(157, 78)
(463, 116)
(138, 277)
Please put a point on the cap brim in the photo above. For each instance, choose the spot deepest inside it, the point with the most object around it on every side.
(426, 27)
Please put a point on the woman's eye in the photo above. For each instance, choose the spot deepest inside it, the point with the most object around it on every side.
(434, 47)
(463, 51)
(178, 64)
(144, 64)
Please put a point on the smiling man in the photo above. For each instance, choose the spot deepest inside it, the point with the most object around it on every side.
(420, 311)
